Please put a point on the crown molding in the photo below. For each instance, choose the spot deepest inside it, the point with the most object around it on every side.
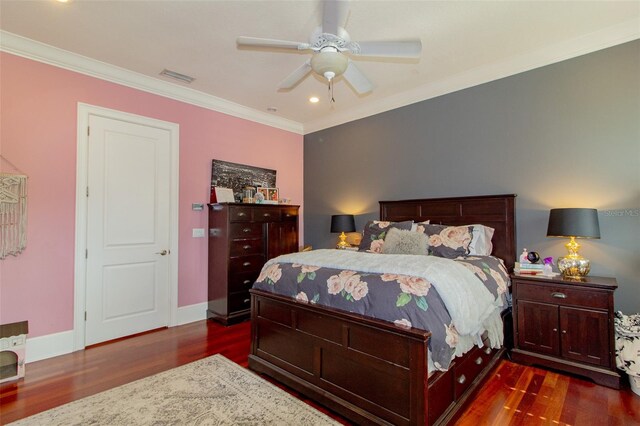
(588, 43)
(34, 50)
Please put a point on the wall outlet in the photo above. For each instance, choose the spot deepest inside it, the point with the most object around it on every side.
(197, 232)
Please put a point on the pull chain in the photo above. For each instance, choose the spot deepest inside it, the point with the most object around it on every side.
(330, 89)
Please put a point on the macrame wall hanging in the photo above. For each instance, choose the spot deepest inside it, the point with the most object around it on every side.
(13, 214)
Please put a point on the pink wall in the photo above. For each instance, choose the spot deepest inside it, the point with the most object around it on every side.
(38, 107)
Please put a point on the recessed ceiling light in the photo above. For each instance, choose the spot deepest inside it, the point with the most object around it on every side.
(63, 1)
(272, 109)
(314, 100)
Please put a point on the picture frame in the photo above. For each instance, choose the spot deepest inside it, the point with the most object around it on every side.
(270, 195)
(264, 192)
(273, 195)
(225, 174)
(223, 195)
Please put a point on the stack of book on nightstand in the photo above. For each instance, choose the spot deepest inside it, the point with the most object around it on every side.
(529, 268)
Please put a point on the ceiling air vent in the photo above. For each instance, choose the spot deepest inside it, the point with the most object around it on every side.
(177, 76)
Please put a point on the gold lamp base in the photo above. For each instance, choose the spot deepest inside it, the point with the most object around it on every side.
(573, 265)
(342, 244)
(574, 268)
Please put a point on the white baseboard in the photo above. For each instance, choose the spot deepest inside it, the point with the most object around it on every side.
(192, 313)
(43, 347)
(48, 346)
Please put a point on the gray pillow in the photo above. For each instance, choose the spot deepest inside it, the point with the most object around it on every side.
(398, 241)
(375, 232)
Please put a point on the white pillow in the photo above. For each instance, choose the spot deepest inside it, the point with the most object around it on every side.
(481, 240)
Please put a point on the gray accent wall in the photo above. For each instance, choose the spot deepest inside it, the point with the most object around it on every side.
(564, 135)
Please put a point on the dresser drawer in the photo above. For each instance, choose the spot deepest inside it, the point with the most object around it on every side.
(240, 214)
(242, 281)
(245, 230)
(289, 213)
(245, 247)
(239, 301)
(562, 295)
(251, 263)
(266, 214)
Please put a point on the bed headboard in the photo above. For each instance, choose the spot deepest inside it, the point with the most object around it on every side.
(496, 211)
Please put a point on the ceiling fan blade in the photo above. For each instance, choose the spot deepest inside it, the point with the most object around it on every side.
(293, 78)
(267, 42)
(396, 49)
(334, 16)
(357, 79)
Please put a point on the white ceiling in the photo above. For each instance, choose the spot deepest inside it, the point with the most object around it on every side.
(464, 43)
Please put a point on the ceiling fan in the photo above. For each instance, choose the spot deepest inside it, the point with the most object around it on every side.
(331, 48)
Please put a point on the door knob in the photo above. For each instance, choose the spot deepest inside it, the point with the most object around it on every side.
(162, 253)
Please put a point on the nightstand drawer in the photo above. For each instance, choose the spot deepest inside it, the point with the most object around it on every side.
(562, 295)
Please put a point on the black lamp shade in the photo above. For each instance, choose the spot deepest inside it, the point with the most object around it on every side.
(580, 223)
(343, 223)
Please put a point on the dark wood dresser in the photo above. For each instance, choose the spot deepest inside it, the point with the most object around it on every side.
(567, 325)
(242, 237)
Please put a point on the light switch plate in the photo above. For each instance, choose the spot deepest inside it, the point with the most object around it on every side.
(197, 207)
(197, 232)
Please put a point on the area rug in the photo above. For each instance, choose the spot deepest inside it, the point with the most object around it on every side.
(211, 391)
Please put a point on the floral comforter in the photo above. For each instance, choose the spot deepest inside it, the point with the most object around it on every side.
(408, 300)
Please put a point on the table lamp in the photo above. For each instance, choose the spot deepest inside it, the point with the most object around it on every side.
(573, 223)
(343, 223)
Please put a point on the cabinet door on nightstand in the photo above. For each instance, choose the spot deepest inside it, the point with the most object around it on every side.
(585, 335)
(538, 327)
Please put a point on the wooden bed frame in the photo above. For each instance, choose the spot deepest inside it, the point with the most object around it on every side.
(371, 371)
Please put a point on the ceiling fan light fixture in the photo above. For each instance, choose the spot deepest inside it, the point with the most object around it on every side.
(329, 64)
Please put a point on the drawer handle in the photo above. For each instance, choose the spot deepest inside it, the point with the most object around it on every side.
(462, 379)
(247, 247)
(287, 215)
(555, 330)
(266, 214)
(558, 295)
(247, 282)
(246, 300)
(246, 264)
(487, 350)
(479, 360)
(246, 230)
(241, 214)
(564, 331)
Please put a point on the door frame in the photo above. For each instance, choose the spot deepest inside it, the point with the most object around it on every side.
(82, 166)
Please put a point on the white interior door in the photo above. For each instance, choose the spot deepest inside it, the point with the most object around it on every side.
(128, 232)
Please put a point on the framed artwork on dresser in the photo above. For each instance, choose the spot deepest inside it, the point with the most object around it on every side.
(236, 176)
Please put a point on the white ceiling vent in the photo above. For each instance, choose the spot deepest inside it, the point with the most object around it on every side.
(177, 76)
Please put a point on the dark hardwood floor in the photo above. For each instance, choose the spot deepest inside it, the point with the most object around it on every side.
(514, 395)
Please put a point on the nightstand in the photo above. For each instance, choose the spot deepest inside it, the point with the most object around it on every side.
(566, 324)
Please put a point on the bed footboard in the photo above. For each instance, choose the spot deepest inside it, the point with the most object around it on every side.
(369, 371)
